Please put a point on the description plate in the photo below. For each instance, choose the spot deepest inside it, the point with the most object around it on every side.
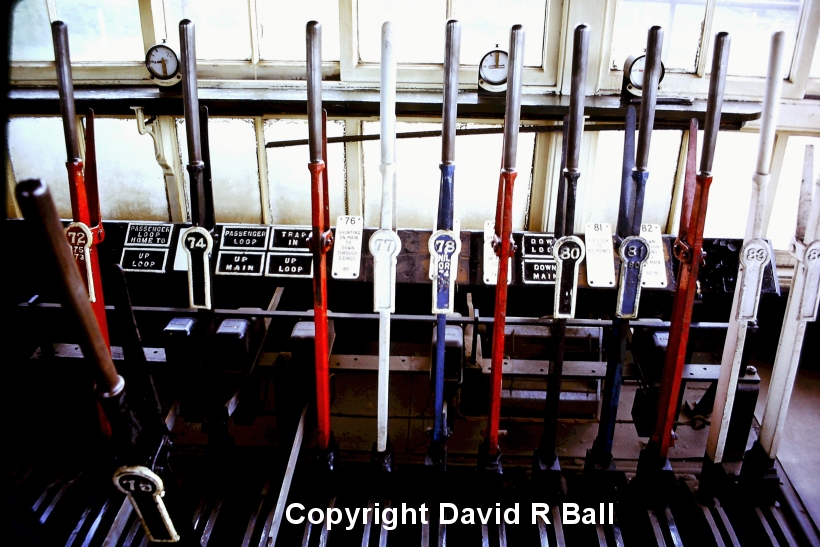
(347, 247)
(149, 234)
(290, 238)
(144, 260)
(238, 263)
(245, 237)
(289, 265)
(490, 265)
(537, 271)
(600, 263)
(537, 245)
(653, 275)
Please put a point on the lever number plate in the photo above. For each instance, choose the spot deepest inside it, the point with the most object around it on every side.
(444, 247)
(79, 237)
(569, 252)
(753, 259)
(198, 243)
(145, 491)
(384, 246)
(634, 252)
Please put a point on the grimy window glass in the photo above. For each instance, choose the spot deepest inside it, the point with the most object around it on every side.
(603, 184)
(234, 168)
(37, 151)
(681, 21)
(223, 29)
(102, 30)
(418, 28)
(282, 31)
(478, 161)
(751, 26)
(734, 164)
(784, 210)
(289, 178)
(30, 32)
(814, 72)
(487, 23)
(131, 183)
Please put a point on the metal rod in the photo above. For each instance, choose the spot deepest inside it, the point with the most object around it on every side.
(190, 98)
(589, 126)
(503, 228)
(747, 290)
(443, 275)
(512, 112)
(86, 231)
(65, 87)
(321, 240)
(546, 456)
(690, 255)
(314, 89)
(649, 95)
(714, 102)
(385, 244)
(41, 215)
(801, 308)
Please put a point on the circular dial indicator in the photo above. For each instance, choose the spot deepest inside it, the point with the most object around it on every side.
(162, 62)
(493, 67)
(636, 70)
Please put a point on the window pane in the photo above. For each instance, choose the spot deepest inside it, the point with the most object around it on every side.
(681, 23)
(602, 190)
(784, 210)
(222, 28)
(751, 27)
(814, 72)
(486, 23)
(37, 149)
(418, 178)
(102, 30)
(289, 178)
(30, 33)
(418, 29)
(282, 33)
(234, 168)
(731, 190)
(131, 183)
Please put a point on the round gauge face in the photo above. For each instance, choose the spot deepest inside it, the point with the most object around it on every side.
(636, 72)
(493, 67)
(162, 62)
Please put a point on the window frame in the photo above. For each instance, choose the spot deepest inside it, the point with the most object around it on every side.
(795, 86)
